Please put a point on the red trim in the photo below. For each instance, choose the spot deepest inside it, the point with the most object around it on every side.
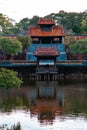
(46, 21)
(56, 31)
(46, 51)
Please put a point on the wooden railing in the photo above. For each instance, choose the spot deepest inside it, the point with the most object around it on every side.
(23, 62)
(72, 62)
(17, 61)
(26, 62)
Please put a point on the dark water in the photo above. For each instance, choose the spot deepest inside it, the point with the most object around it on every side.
(45, 105)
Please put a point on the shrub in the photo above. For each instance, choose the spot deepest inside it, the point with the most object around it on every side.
(9, 78)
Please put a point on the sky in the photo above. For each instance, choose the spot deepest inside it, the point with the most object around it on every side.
(19, 9)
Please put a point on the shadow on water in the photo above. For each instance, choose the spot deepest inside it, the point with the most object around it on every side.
(46, 100)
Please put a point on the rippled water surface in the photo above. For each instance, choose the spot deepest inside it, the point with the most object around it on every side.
(45, 105)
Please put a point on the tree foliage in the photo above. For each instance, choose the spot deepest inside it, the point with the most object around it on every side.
(84, 26)
(5, 23)
(34, 20)
(25, 40)
(26, 23)
(10, 46)
(70, 20)
(78, 47)
(9, 78)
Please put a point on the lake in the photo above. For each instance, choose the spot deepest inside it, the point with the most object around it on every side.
(45, 105)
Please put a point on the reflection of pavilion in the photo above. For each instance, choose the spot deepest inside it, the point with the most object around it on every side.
(47, 101)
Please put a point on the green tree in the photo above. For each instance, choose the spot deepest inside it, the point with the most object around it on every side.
(84, 26)
(13, 30)
(5, 23)
(9, 78)
(34, 20)
(24, 24)
(71, 20)
(25, 40)
(10, 46)
(78, 47)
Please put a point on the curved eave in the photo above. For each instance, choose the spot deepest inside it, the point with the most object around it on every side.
(46, 55)
(47, 36)
(55, 32)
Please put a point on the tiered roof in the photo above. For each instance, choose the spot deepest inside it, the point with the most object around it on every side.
(46, 51)
(36, 32)
(46, 21)
(54, 32)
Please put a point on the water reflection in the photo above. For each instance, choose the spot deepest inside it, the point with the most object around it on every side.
(46, 101)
